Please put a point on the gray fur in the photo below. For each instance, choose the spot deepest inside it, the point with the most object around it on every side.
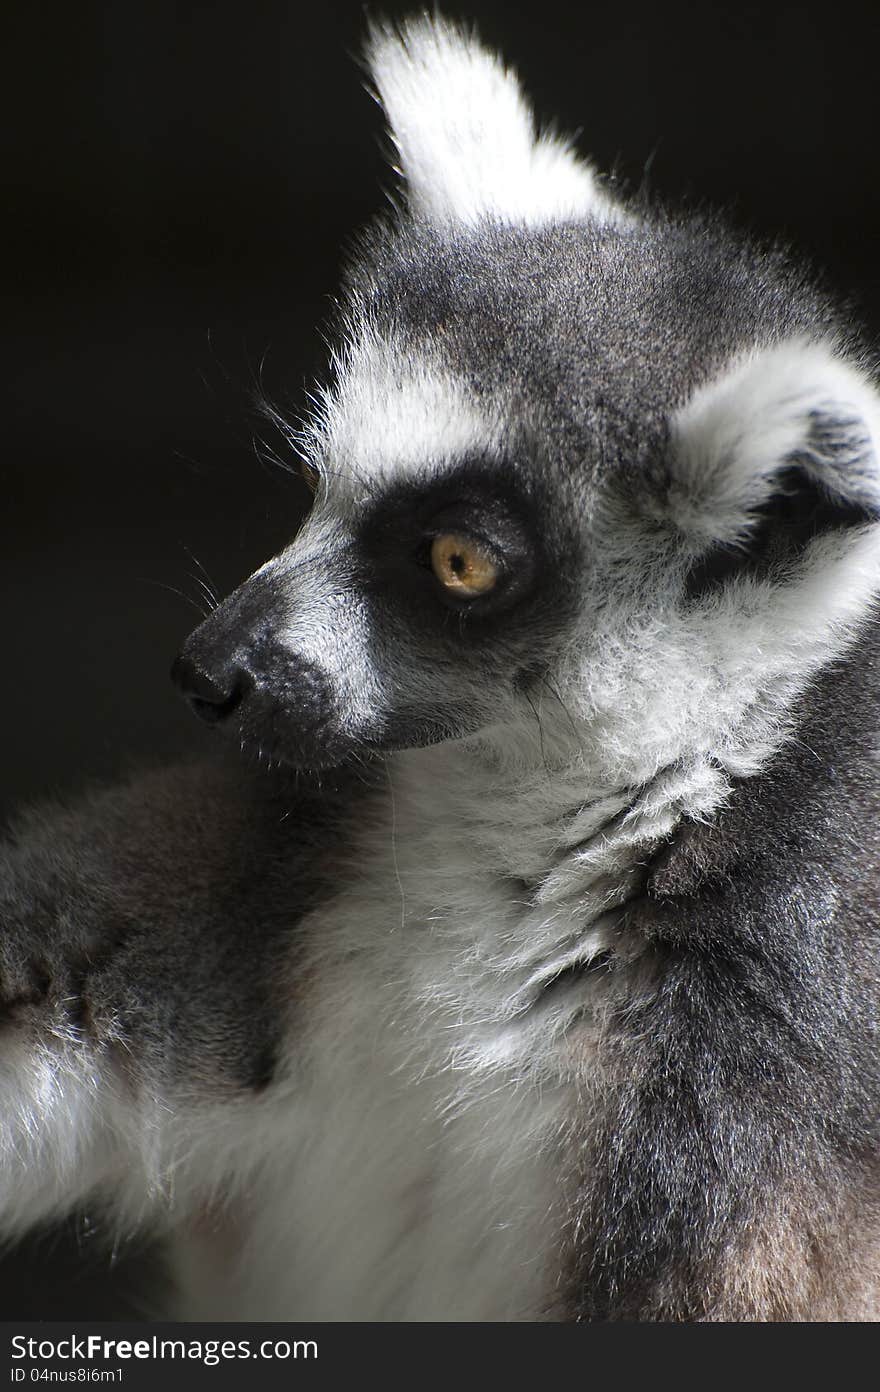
(151, 919)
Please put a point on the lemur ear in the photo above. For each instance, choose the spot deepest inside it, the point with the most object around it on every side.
(466, 136)
(784, 445)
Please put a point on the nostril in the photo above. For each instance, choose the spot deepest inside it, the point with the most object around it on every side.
(212, 712)
(213, 697)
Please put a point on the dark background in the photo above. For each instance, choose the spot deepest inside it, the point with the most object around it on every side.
(181, 183)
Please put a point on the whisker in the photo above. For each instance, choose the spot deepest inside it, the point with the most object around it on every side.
(172, 589)
(540, 735)
(394, 846)
(212, 588)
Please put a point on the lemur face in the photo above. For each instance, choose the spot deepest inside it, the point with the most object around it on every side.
(420, 601)
(601, 466)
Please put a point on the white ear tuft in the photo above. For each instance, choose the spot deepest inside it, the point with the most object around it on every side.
(466, 136)
(797, 403)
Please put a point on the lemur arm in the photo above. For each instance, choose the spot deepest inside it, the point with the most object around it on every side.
(147, 943)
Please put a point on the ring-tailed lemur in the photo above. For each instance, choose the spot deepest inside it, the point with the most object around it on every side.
(536, 970)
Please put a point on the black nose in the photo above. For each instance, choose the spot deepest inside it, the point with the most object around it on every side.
(212, 695)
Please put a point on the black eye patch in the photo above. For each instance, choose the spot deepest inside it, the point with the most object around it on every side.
(471, 500)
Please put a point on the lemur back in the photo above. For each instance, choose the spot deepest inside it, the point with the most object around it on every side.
(530, 967)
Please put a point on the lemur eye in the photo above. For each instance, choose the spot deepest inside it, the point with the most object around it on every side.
(310, 474)
(462, 566)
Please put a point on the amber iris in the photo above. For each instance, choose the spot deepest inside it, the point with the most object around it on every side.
(462, 566)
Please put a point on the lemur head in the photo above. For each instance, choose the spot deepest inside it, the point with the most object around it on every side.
(583, 468)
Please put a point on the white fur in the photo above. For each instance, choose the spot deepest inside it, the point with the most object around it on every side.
(733, 437)
(327, 625)
(466, 136)
(389, 416)
(56, 1135)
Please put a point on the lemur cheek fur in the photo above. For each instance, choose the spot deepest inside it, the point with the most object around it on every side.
(517, 954)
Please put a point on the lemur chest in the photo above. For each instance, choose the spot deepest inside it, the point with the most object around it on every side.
(424, 1171)
(428, 1171)
(424, 1181)
(421, 1176)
